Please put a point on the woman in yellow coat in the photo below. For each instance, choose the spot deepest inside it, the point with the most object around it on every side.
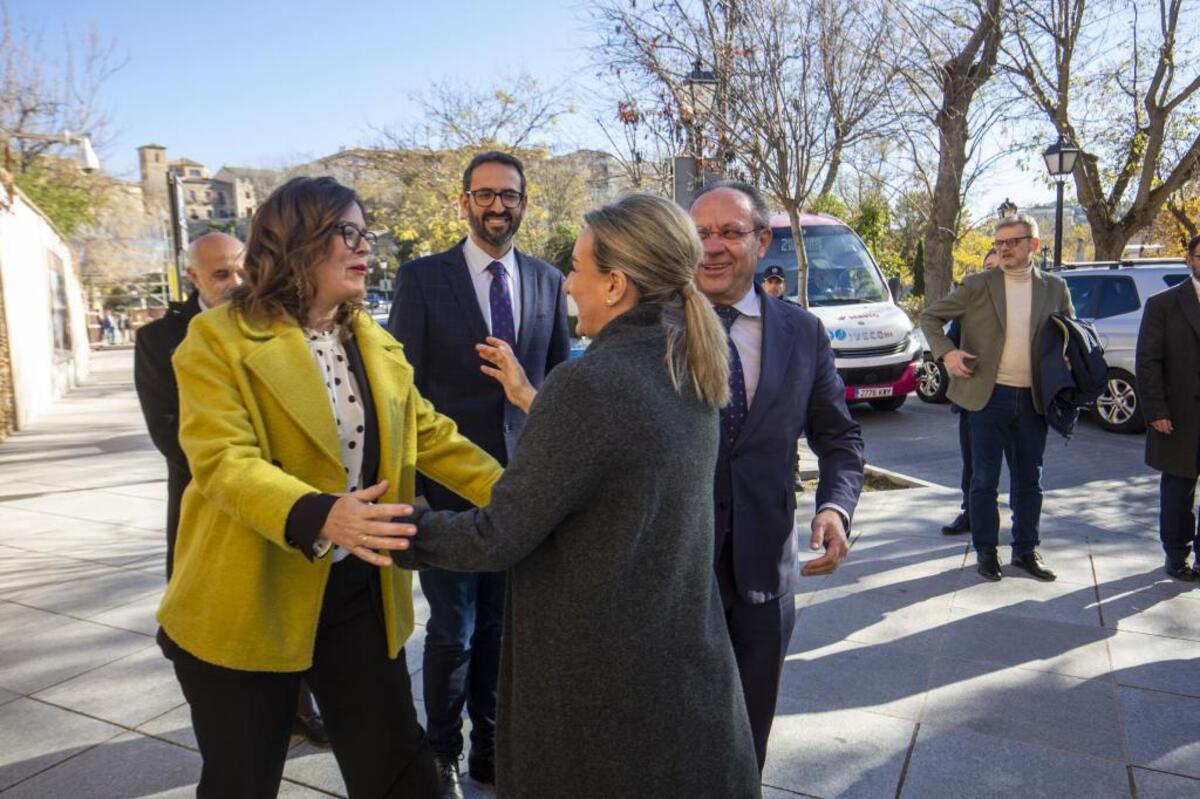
(303, 431)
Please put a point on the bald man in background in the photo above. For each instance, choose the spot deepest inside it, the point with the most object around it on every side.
(213, 264)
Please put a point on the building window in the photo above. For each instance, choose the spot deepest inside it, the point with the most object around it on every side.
(209, 212)
(193, 173)
(191, 196)
(158, 158)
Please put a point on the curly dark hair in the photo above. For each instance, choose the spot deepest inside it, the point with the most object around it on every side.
(291, 232)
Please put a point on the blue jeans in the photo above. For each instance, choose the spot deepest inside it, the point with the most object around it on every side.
(1007, 425)
(462, 657)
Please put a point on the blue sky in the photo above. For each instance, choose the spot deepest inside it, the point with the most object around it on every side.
(264, 84)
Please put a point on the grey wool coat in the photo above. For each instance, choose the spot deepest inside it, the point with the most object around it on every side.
(617, 677)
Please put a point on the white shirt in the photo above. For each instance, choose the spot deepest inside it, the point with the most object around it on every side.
(747, 337)
(1196, 286)
(478, 262)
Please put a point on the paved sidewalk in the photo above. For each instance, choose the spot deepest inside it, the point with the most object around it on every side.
(907, 675)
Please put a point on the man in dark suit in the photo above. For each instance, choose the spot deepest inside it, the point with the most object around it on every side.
(444, 306)
(1168, 377)
(213, 264)
(784, 385)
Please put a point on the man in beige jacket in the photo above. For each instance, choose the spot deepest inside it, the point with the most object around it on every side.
(994, 374)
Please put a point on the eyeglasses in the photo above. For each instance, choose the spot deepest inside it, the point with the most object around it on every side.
(1002, 243)
(353, 235)
(485, 197)
(729, 233)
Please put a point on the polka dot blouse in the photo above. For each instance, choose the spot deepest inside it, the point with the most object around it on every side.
(330, 355)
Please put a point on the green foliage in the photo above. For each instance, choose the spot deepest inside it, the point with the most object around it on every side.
(871, 220)
(560, 244)
(70, 199)
(830, 204)
(919, 270)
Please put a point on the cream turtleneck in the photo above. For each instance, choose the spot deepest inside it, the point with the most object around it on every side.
(1015, 368)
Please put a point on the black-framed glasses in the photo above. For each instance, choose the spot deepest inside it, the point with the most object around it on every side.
(352, 234)
(1002, 243)
(485, 197)
(728, 233)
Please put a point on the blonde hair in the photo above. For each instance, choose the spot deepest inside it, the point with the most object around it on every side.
(654, 243)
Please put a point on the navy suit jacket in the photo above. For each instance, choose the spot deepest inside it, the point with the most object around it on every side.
(799, 393)
(436, 316)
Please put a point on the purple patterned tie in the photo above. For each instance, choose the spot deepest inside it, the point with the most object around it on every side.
(733, 414)
(501, 302)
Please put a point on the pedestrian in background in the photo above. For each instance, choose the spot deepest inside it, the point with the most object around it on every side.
(994, 375)
(303, 430)
(772, 283)
(962, 522)
(1168, 378)
(444, 306)
(617, 675)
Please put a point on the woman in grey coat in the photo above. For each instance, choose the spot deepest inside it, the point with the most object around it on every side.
(617, 678)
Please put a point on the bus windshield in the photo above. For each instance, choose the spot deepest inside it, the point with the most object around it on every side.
(840, 270)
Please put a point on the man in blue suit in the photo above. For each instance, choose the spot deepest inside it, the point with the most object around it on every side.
(444, 305)
(784, 385)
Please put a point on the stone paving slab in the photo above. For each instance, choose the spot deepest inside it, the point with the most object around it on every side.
(129, 691)
(35, 737)
(1037, 708)
(842, 753)
(61, 652)
(1073, 650)
(1159, 785)
(949, 764)
(1163, 730)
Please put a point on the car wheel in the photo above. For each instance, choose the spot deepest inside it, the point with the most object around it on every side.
(1117, 409)
(888, 403)
(932, 381)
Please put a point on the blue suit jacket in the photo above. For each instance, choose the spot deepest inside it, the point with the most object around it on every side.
(799, 393)
(437, 318)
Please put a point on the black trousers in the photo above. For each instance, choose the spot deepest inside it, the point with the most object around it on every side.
(1177, 517)
(760, 635)
(243, 719)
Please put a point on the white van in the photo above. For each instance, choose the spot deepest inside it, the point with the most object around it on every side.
(874, 345)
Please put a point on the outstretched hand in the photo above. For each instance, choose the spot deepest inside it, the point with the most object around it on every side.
(507, 371)
(829, 532)
(355, 523)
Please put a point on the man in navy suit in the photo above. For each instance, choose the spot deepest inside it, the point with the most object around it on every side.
(444, 305)
(784, 385)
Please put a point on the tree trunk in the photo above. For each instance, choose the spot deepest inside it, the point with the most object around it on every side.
(793, 212)
(942, 231)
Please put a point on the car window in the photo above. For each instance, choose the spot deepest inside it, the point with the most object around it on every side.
(1118, 295)
(1084, 291)
(1174, 280)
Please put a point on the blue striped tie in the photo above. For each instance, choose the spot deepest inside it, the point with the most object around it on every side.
(503, 326)
(733, 415)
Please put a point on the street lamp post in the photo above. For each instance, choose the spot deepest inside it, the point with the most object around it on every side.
(701, 85)
(1060, 162)
(1007, 208)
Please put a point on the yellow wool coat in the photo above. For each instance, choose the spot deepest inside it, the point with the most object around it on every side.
(258, 430)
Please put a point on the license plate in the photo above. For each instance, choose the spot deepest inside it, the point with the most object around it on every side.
(873, 393)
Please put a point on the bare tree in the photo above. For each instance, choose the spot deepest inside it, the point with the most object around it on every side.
(947, 55)
(1131, 109)
(510, 114)
(798, 84)
(39, 95)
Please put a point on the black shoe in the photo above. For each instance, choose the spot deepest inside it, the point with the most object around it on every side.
(988, 565)
(449, 785)
(962, 524)
(482, 768)
(1032, 563)
(1184, 572)
(312, 727)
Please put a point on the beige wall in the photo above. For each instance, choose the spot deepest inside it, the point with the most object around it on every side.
(43, 307)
